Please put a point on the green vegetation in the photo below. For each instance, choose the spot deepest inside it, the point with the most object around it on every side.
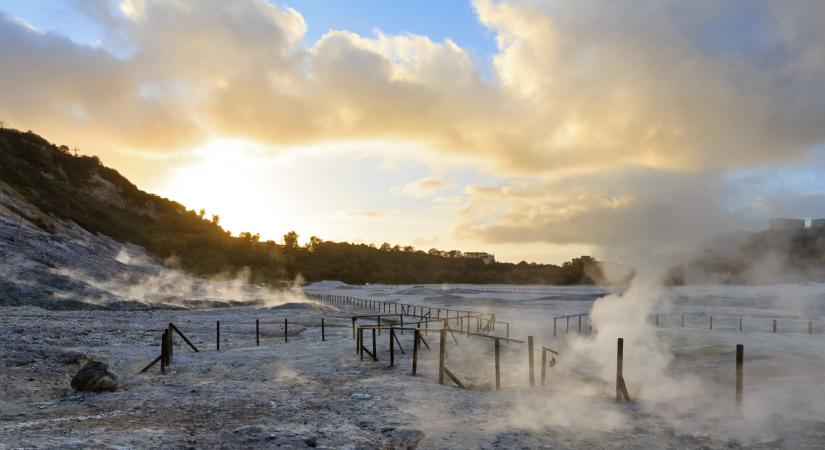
(67, 186)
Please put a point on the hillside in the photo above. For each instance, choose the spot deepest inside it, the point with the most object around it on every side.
(50, 188)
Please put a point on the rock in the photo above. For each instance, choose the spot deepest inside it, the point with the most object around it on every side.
(95, 377)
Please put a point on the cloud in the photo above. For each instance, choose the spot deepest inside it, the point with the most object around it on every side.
(605, 123)
(423, 188)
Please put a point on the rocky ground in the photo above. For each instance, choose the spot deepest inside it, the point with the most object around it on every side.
(309, 393)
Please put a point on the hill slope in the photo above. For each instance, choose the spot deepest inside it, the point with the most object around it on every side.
(50, 189)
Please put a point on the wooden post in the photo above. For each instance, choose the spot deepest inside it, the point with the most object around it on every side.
(710, 324)
(567, 330)
(554, 326)
(530, 359)
(442, 353)
(740, 323)
(169, 347)
(361, 343)
(353, 326)
(508, 329)
(218, 334)
(163, 353)
(580, 324)
(286, 330)
(740, 358)
(257, 332)
(374, 353)
(323, 335)
(543, 365)
(415, 352)
(774, 325)
(621, 388)
(498, 365)
(392, 347)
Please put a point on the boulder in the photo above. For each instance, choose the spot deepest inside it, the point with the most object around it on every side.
(95, 377)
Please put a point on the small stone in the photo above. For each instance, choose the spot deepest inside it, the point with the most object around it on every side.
(95, 377)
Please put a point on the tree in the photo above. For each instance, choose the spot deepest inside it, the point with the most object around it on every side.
(313, 243)
(216, 219)
(201, 213)
(385, 247)
(408, 249)
(291, 240)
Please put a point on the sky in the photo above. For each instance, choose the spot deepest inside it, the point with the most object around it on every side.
(535, 130)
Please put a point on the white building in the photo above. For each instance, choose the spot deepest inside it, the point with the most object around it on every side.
(484, 256)
(786, 224)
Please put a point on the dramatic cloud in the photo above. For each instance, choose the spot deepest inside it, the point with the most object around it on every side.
(662, 98)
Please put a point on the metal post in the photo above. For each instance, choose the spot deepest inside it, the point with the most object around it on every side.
(323, 335)
(711, 322)
(286, 330)
(257, 332)
(554, 326)
(566, 331)
(218, 334)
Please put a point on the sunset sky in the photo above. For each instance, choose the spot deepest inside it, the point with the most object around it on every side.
(535, 130)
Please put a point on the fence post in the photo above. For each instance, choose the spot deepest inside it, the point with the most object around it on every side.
(740, 358)
(374, 352)
(392, 347)
(323, 336)
(416, 335)
(567, 330)
(218, 334)
(580, 324)
(740, 323)
(361, 343)
(711, 322)
(163, 353)
(498, 365)
(257, 332)
(286, 330)
(442, 353)
(621, 388)
(353, 326)
(530, 359)
(543, 365)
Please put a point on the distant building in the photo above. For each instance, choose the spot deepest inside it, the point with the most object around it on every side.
(786, 224)
(818, 224)
(484, 256)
